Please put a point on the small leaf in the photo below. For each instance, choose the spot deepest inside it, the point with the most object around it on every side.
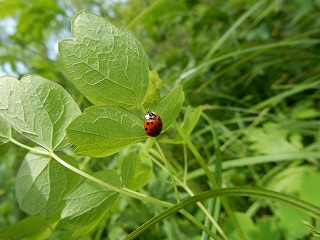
(170, 107)
(38, 108)
(135, 172)
(41, 184)
(191, 118)
(104, 130)
(108, 65)
(88, 202)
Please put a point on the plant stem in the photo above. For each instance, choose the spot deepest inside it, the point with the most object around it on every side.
(165, 160)
(211, 179)
(124, 191)
(146, 12)
(190, 192)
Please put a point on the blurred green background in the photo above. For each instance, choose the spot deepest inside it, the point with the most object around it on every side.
(251, 67)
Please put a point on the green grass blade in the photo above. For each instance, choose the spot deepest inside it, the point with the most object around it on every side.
(306, 207)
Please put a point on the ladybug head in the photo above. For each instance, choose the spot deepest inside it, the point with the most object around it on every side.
(150, 115)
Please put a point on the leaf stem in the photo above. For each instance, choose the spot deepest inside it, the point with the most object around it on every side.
(190, 192)
(35, 150)
(124, 191)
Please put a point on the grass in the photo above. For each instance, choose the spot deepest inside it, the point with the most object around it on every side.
(249, 130)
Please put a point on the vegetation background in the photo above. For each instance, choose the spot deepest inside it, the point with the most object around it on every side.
(251, 75)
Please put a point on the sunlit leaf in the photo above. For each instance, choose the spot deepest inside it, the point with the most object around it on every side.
(41, 184)
(5, 131)
(37, 108)
(170, 107)
(88, 202)
(103, 130)
(108, 65)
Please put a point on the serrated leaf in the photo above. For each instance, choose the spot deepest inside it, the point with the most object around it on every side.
(41, 184)
(108, 65)
(38, 108)
(170, 106)
(88, 202)
(103, 130)
(135, 173)
(272, 138)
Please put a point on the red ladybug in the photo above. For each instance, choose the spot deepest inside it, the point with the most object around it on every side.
(152, 124)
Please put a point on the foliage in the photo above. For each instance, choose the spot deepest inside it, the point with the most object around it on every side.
(244, 76)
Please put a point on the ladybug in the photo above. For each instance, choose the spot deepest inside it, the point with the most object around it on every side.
(152, 124)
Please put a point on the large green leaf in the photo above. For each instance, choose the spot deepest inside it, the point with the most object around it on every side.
(38, 108)
(103, 130)
(41, 184)
(108, 65)
(5, 131)
(88, 203)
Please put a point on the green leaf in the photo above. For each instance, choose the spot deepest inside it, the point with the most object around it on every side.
(290, 221)
(272, 138)
(5, 131)
(26, 226)
(104, 130)
(310, 182)
(38, 108)
(108, 65)
(191, 118)
(170, 107)
(246, 224)
(89, 202)
(41, 184)
(135, 172)
(267, 228)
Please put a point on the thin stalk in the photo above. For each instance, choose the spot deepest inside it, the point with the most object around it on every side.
(191, 193)
(165, 160)
(143, 14)
(306, 207)
(240, 52)
(124, 191)
(231, 30)
(211, 179)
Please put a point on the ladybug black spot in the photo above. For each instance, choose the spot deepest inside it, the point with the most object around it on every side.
(146, 129)
(155, 126)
